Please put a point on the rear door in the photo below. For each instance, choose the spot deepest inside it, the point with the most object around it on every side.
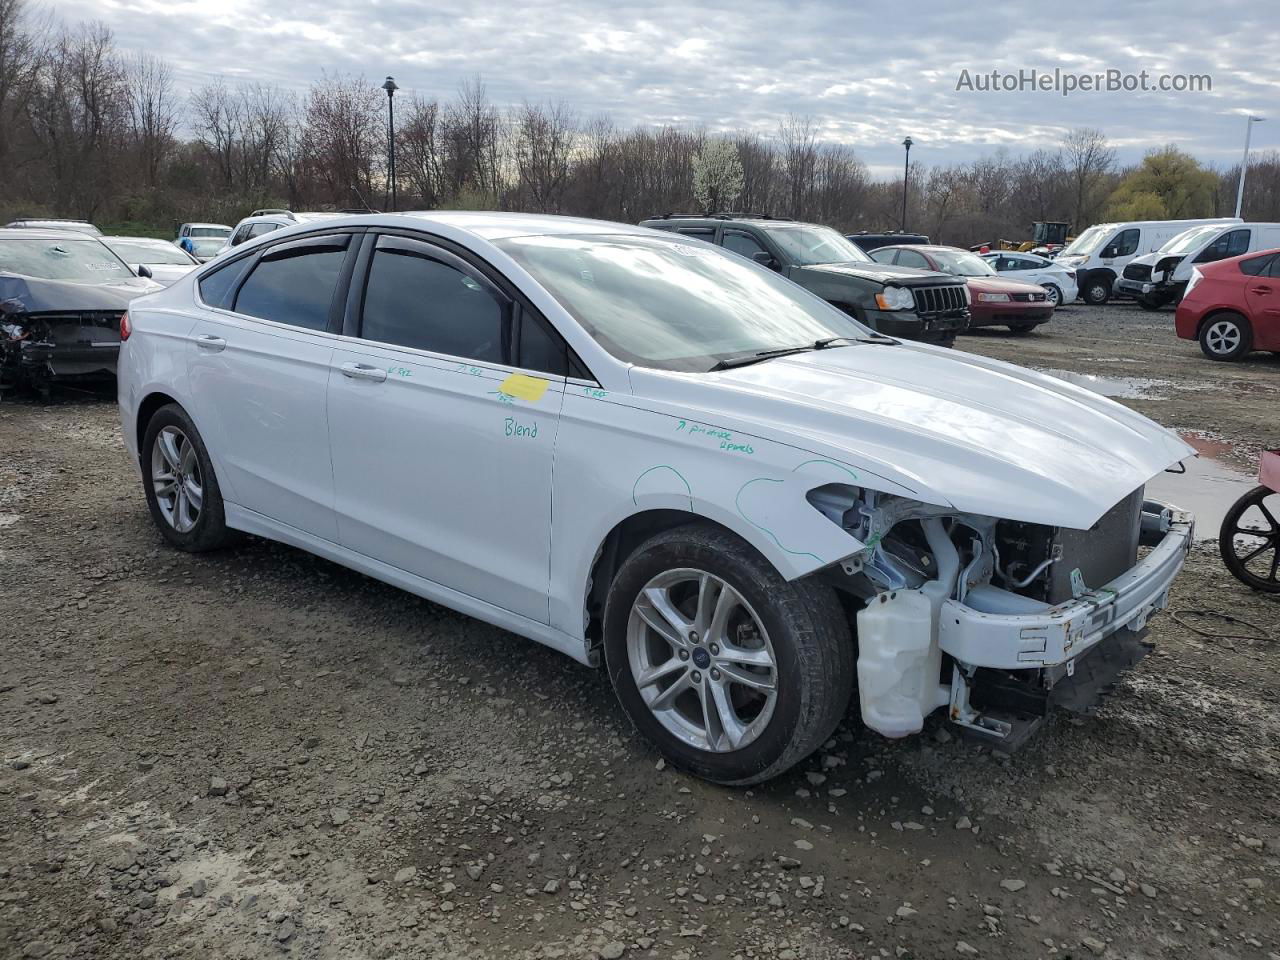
(444, 403)
(259, 371)
(1262, 298)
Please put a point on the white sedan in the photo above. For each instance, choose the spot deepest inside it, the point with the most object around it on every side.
(643, 450)
(165, 263)
(1058, 281)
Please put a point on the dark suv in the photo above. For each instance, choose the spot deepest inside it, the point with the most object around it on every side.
(898, 301)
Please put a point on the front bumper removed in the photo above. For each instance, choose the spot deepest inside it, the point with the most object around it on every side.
(1009, 670)
(999, 672)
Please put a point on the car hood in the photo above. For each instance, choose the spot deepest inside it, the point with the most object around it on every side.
(33, 295)
(884, 272)
(1001, 285)
(956, 429)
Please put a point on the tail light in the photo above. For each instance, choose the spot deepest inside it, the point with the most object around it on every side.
(125, 329)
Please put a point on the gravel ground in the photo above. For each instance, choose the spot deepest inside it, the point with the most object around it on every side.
(256, 753)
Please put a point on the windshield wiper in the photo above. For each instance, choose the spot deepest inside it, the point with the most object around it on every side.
(824, 344)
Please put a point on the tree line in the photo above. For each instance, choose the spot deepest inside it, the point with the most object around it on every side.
(88, 130)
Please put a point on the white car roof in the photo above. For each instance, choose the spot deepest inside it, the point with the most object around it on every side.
(498, 226)
(217, 226)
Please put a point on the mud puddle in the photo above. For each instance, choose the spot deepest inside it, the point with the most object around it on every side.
(1124, 388)
(1208, 488)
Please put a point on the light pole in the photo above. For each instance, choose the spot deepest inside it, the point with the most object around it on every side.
(906, 168)
(1244, 164)
(391, 88)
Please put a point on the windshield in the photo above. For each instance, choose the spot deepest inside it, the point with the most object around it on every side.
(960, 263)
(807, 244)
(1189, 240)
(209, 232)
(82, 261)
(137, 251)
(206, 246)
(1087, 242)
(675, 304)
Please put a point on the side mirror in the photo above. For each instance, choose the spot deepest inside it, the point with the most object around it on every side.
(765, 259)
(144, 271)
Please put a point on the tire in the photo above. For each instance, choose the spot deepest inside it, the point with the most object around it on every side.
(172, 445)
(798, 628)
(1096, 291)
(1022, 329)
(1226, 337)
(1055, 294)
(1236, 557)
(1146, 303)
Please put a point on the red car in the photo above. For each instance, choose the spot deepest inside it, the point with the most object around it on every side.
(1233, 306)
(993, 300)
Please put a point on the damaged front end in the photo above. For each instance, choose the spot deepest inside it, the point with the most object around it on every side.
(59, 332)
(996, 620)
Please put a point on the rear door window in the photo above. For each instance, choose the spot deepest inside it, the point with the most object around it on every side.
(1259, 266)
(699, 233)
(218, 287)
(294, 282)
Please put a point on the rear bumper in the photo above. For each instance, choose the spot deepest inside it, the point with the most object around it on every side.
(1062, 633)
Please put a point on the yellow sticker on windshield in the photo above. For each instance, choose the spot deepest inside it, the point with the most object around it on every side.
(528, 389)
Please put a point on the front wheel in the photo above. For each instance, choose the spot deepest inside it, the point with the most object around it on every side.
(1148, 303)
(1022, 328)
(1227, 336)
(182, 490)
(1054, 293)
(1097, 291)
(734, 673)
(1250, 539)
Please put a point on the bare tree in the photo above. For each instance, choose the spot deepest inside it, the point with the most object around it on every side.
(344, 138)
(20, 54)
(218, 123)
(543, 141)
(77, 116)
(420, 152)
(799, 141)
(1088, 160)
(153, 112)
(475, 136)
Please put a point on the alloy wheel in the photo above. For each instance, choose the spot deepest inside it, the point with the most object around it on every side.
(702, 660)
(176, 480)
(1222, 337)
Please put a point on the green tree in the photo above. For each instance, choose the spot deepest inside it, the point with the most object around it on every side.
(1168, 185)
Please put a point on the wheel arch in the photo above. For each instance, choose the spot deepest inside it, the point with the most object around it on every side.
(146, 410)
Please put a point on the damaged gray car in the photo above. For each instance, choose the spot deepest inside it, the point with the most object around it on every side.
(61, 299)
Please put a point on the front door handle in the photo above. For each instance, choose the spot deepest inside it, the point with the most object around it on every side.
(208, 341)
(363, 371)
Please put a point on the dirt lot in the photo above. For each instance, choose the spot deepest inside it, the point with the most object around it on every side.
(256, 753)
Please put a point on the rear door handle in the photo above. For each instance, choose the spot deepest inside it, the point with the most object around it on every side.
(1262, 289)
(363, 371)
(209, 342)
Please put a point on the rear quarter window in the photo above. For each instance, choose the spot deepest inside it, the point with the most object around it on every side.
(218, 286)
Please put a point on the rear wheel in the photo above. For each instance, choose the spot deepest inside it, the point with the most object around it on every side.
(1226, 336)
(181, 487)
(734, 673)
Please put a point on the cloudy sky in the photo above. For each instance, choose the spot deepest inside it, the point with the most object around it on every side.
(868, 73)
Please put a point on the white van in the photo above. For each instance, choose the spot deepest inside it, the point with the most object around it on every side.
(1161, 277)
(1100, 254)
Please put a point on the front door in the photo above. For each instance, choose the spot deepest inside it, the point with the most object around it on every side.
(442, 448)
